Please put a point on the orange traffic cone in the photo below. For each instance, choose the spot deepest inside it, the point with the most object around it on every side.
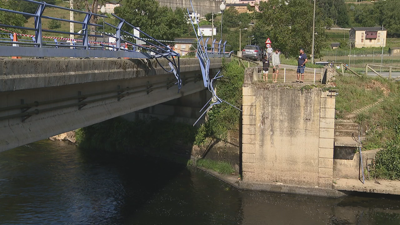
(15, 39)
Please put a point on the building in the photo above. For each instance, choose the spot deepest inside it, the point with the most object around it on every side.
(207, 30)
(109, 7)
(182, 45)
(335, 45)
(394, 51)
(367, 37)
(241, 5)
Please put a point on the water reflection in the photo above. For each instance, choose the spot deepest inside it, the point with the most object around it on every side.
(53, 182)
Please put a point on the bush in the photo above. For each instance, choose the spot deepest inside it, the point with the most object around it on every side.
(54, 24)
(388, 161)
(223, 117)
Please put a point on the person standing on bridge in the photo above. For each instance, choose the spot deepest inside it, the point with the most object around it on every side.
(276, 62)
(301, 66)
(265, 61)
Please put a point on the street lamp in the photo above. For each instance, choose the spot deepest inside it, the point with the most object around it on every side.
(222, 8)
(313, 35)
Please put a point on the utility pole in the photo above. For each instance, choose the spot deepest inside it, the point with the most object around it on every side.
(240, 39)
(313, 35)
(212, 26)
(71, 17)
(382, 43)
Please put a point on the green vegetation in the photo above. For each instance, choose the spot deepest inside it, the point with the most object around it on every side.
(217, 166)
(334, 12)
(289, 26)
(223, 117)
(54, 24)
(356, 93)
(10, 18)
(387, 163)
(159, 22)
(380, 13)
(380, 123)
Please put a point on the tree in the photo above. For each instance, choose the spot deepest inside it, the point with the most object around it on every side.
(383, 13)
(335, 10)
(159, 22)
(28, 7)
(11, 18)
(231, 18)
(289, 26)
(54, 24)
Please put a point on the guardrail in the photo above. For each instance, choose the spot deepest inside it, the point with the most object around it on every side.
(126, 45)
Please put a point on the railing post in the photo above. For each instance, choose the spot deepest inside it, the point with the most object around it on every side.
(213, 46)
(223, 52)
(118, 35)
(284, 75)
(38, 24)
(219, 46)
(315, 71)
(205, 46)
(85, 30)
(343, 69)
(390, 72)
(366, 70)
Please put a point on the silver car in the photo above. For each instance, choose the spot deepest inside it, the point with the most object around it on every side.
(252, 52)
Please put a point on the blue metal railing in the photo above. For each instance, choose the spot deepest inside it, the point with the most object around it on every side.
(126, 44)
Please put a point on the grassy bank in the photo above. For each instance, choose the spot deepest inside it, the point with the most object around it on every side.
(380, 123)
(356, 93)
(217, 166)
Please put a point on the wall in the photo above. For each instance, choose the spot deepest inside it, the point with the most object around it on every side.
(288, 134)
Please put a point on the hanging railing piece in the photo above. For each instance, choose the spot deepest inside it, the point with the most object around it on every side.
(204, 60)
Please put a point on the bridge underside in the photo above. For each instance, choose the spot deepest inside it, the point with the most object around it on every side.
(49, 99)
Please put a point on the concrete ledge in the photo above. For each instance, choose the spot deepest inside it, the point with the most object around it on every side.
(292, 189)
(380, 187)
(274, 187)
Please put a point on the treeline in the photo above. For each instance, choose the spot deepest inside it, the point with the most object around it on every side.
(382, 13)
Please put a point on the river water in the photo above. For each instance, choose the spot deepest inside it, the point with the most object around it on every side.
(56, 183)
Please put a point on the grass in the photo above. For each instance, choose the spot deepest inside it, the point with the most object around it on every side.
(217, 166)
(355, 93)
(381, 123)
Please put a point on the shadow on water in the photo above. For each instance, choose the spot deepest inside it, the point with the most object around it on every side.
(56, 183)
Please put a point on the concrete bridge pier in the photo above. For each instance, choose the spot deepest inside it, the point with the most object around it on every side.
(288, 137)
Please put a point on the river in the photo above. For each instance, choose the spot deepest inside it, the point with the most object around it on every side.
(56, 183)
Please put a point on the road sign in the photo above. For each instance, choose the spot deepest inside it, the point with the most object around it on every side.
(268, 41)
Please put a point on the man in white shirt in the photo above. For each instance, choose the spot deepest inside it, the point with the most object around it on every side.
(276, 62)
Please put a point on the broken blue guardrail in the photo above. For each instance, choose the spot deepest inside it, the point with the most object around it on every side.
(82, 47)
(204, 60)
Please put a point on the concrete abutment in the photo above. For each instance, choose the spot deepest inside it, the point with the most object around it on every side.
(288, 135)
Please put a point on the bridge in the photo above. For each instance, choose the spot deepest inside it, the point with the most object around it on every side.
(40, 98)
(73, 83)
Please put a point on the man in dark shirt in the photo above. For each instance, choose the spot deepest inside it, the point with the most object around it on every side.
(301, 66)
(265, 61)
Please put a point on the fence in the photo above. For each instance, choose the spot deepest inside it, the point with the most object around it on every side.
(46, 43)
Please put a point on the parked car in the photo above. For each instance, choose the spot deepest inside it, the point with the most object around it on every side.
(252, 52)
